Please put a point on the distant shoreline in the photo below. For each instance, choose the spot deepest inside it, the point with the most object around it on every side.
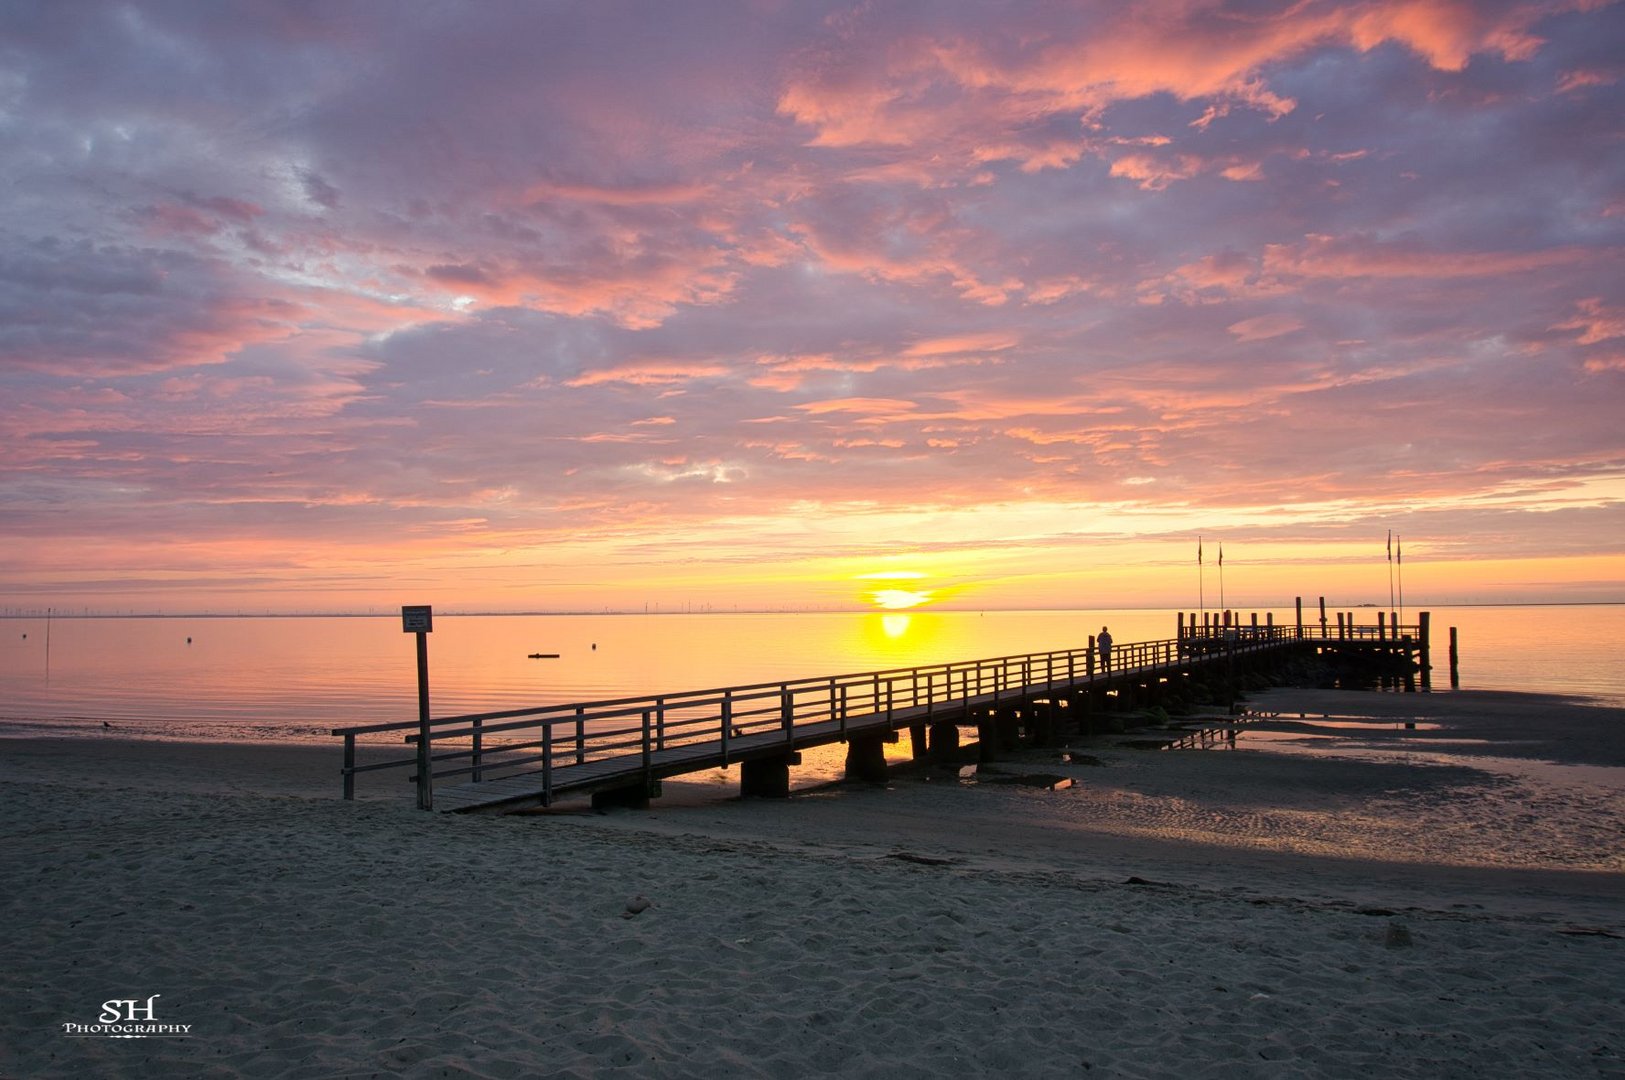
(923, 610)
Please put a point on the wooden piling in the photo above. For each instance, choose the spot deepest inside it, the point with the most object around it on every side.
(767, 778)
(866, 758)
(1424, 657)
(1455, 673)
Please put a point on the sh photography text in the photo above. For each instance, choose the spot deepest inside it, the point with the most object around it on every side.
(128, 1018)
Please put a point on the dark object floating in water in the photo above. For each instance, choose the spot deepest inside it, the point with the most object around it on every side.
(544, 656)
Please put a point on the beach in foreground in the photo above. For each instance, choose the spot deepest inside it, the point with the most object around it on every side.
(1339, 896)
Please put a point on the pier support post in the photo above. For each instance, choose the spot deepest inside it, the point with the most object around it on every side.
(767, 778)
(987, 736)
(866, 757)
(1008, 726)
(916, 741)
(1425, 653)
(944, 742)
(1455, 671)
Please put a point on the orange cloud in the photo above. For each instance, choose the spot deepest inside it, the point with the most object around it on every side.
(650, 373)
(1596, 321)
(1354, 257)
(969, 94)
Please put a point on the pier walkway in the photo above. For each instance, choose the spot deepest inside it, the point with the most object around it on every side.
(619, 750)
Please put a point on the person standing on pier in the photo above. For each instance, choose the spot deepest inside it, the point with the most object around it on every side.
(1104, 644)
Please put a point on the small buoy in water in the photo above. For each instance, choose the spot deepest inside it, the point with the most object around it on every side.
(189, 641)
(594, 644)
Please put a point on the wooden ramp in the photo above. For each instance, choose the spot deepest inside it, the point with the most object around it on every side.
(532, 757)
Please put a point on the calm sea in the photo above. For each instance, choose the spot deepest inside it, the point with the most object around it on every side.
(248, 679)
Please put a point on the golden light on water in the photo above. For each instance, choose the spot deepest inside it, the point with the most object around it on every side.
(895, 626)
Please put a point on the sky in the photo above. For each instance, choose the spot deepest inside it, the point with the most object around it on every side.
(544, 306)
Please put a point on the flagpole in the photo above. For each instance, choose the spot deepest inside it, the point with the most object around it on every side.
(1399, 563)
(1201, 583)
(1391, 571)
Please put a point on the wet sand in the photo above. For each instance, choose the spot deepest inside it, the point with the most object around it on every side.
(1389, 902)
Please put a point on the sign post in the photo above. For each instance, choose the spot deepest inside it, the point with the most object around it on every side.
(420, 621)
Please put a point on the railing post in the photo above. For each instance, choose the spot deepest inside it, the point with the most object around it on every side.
(425, 750)
(843, 709)
(727, 722)
(476, 755)
(349, 766)
(581, 734)
(660, 723)
(787, 711)
(648, 751)
(547, 763)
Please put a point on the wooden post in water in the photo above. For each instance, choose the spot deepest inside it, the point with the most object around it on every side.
(1340, 626)
(1424, 659)
(1455, 673)
(1322, 616)
(1300, 617)
(1382, 626)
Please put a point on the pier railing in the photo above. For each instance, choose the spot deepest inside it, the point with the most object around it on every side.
(1329, 631)
(480, 746)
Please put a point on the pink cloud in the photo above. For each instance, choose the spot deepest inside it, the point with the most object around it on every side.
(651, 372)
(1596, 321)
(1264, 327)
(1320, 256)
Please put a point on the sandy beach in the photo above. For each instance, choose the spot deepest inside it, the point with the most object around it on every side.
(1339, 896)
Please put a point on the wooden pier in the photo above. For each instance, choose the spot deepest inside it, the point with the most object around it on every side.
(619, 750)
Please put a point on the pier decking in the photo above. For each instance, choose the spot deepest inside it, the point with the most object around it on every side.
(619, 750)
